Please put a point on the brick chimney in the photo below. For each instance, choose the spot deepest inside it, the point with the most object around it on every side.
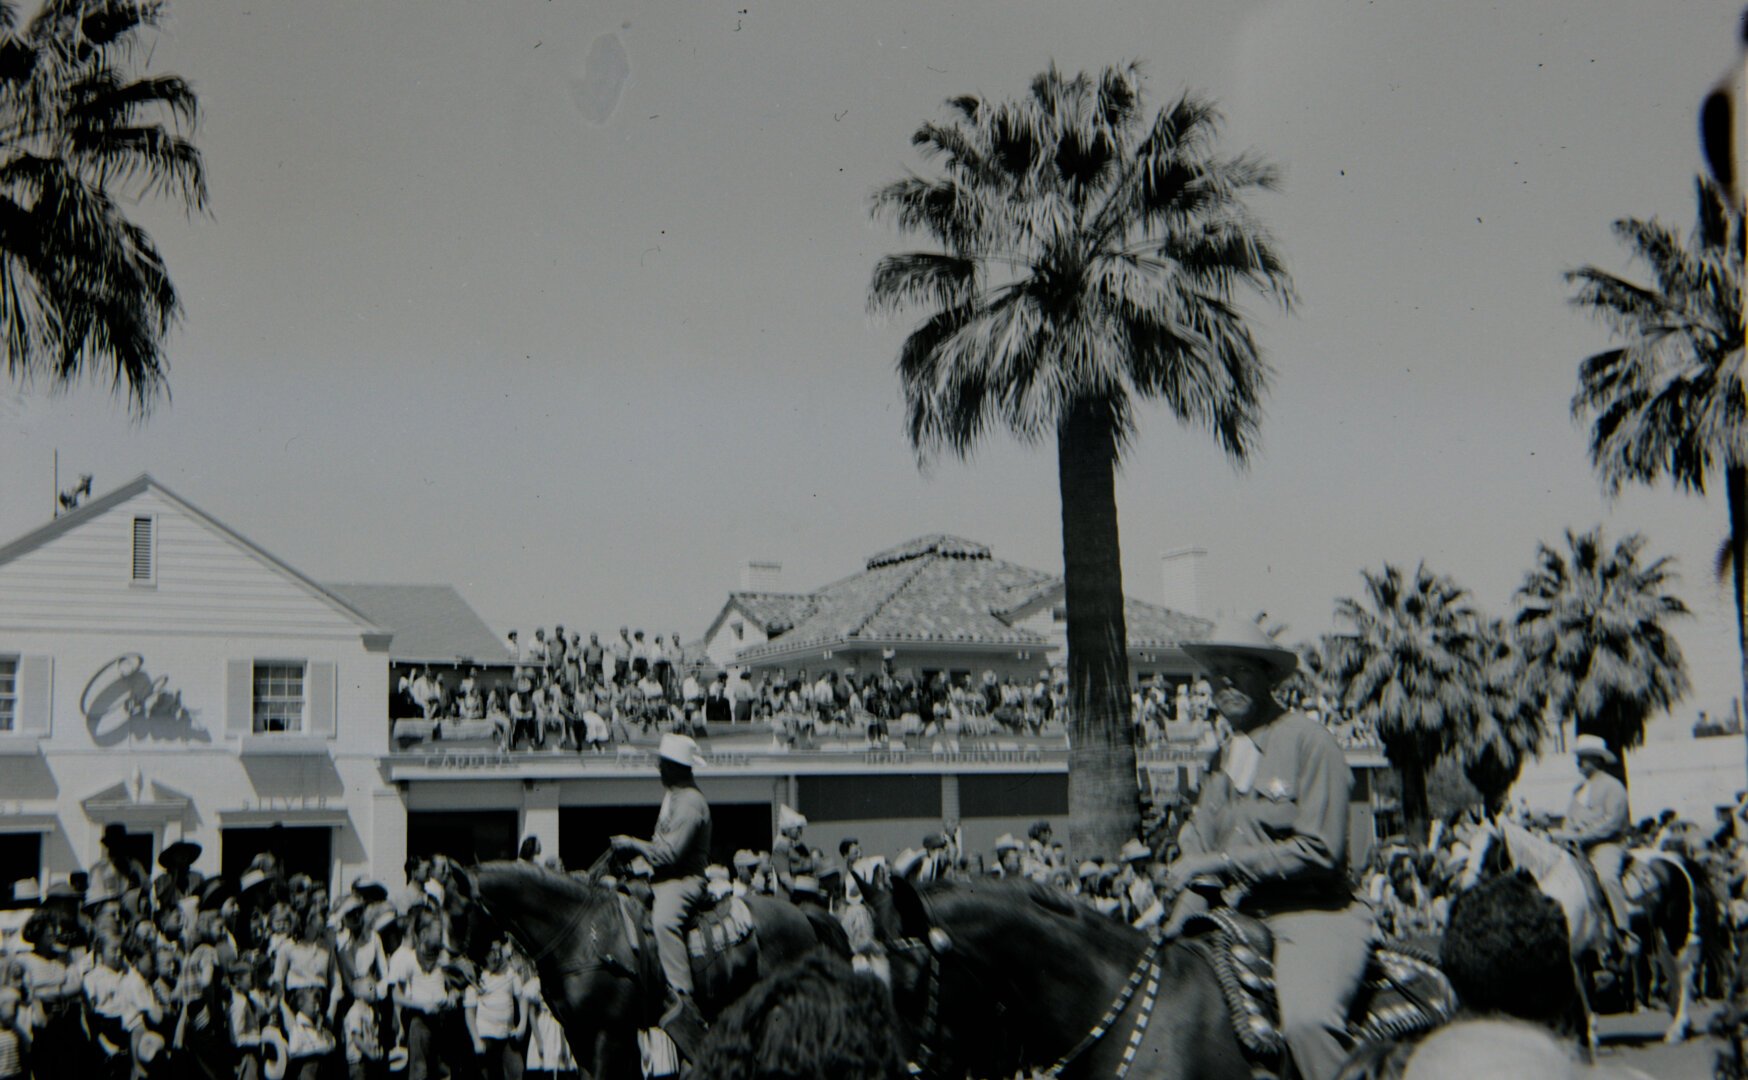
(761, 576)
(1182, 579)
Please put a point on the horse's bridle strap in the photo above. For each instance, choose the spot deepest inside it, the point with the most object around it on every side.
(1147, 965)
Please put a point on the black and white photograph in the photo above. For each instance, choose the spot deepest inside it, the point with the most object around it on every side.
(979, 540)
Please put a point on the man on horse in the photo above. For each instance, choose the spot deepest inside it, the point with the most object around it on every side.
(1269, 834)
(1597, 820)
(678, 853)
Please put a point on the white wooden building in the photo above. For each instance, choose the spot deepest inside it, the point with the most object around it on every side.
(161, 671)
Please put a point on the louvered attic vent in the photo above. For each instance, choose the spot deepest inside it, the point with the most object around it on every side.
(144, 570)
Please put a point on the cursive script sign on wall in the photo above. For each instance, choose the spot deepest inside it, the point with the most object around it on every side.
(123, 698)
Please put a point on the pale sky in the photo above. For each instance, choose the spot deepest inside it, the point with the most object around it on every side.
(564, 303)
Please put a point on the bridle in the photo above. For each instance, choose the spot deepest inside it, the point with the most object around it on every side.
(1145, 972)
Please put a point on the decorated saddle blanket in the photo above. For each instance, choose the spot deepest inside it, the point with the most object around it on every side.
(723, 946)
(1404, 992)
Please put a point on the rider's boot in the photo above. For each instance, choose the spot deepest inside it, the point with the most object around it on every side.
(684, 1024)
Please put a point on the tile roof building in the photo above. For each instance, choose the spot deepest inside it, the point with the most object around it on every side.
(938, 603)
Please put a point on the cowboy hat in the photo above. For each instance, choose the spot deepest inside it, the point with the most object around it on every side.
(790, 818)
(908, 860)
(180, 855)
(1134, 850)
(151, 1044)
(1242, 640)
(273, 1054)
(1007, 842)
(745, 857)
(371, 892)
(1593, 746)
(679, 749)
(805, 883)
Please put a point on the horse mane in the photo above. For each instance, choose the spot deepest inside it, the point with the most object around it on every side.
(533, 877)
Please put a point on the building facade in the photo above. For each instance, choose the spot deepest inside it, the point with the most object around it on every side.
(162, 672)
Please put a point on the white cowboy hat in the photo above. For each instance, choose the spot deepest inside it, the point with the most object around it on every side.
(805, 883)
(746, 857)
(679, 749)
(907, 862)
(1593, 746)
(274, 1054)
(1133, 850)
(1007, 842)
(150, 1046)
(790, 818)
(1242, 639)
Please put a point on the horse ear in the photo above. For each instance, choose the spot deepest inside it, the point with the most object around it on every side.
(913, 917)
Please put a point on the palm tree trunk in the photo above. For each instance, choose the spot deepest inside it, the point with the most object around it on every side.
(1736, 489)
(1103, 790)
(1416, 811)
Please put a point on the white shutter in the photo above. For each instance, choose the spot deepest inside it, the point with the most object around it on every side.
(36, 692)
(239, 697)
(318, 700)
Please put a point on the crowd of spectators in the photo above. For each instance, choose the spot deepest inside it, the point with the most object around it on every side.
(265, 975)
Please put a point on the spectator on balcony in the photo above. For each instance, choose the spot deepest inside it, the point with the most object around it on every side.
(718, 704)
(621, 657)
(573, 661)
(523, 729)
(593, 655)
(676, 652)
(659, 665)
(536, 650)
(597, 732)
(473, 704)
(639, 656)
(691, 691)
(549, 714)
(428, 692)
(741, 695)
(513, 646)
(499, 717)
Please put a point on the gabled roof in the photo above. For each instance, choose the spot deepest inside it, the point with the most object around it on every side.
(948, 590)
(773, 613)
(934, 588)
(430, 622)
(36, 538)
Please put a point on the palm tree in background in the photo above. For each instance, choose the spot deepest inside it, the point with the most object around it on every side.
(1087, 257)
(1509, 729)
(1667, 401)
(1407, 661)
(83, 289)
(1591, 621)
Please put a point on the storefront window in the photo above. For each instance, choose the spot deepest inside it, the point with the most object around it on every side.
(278, 696)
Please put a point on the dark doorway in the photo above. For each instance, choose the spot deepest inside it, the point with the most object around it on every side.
(467, 836)
(300, 850)
(584, 831)
(137, 847)
(20, 860)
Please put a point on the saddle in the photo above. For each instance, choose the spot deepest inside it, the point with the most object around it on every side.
(1403, 994)
(722, 945)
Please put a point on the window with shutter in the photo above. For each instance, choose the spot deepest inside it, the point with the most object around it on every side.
(145, 566)
(278, 697)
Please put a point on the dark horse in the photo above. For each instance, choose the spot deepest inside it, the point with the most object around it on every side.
(995, 978)
(573, 930)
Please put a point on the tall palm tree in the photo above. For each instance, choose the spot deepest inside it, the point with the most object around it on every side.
(1407, 662)
(1088, 257)
(83, 289)
(1667, 401)
(1591, 620)
(1509, 729)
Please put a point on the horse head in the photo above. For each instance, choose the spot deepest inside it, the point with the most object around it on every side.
(573, 931)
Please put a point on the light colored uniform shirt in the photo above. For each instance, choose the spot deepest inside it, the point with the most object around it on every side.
(1598, 811)
(681, 844)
